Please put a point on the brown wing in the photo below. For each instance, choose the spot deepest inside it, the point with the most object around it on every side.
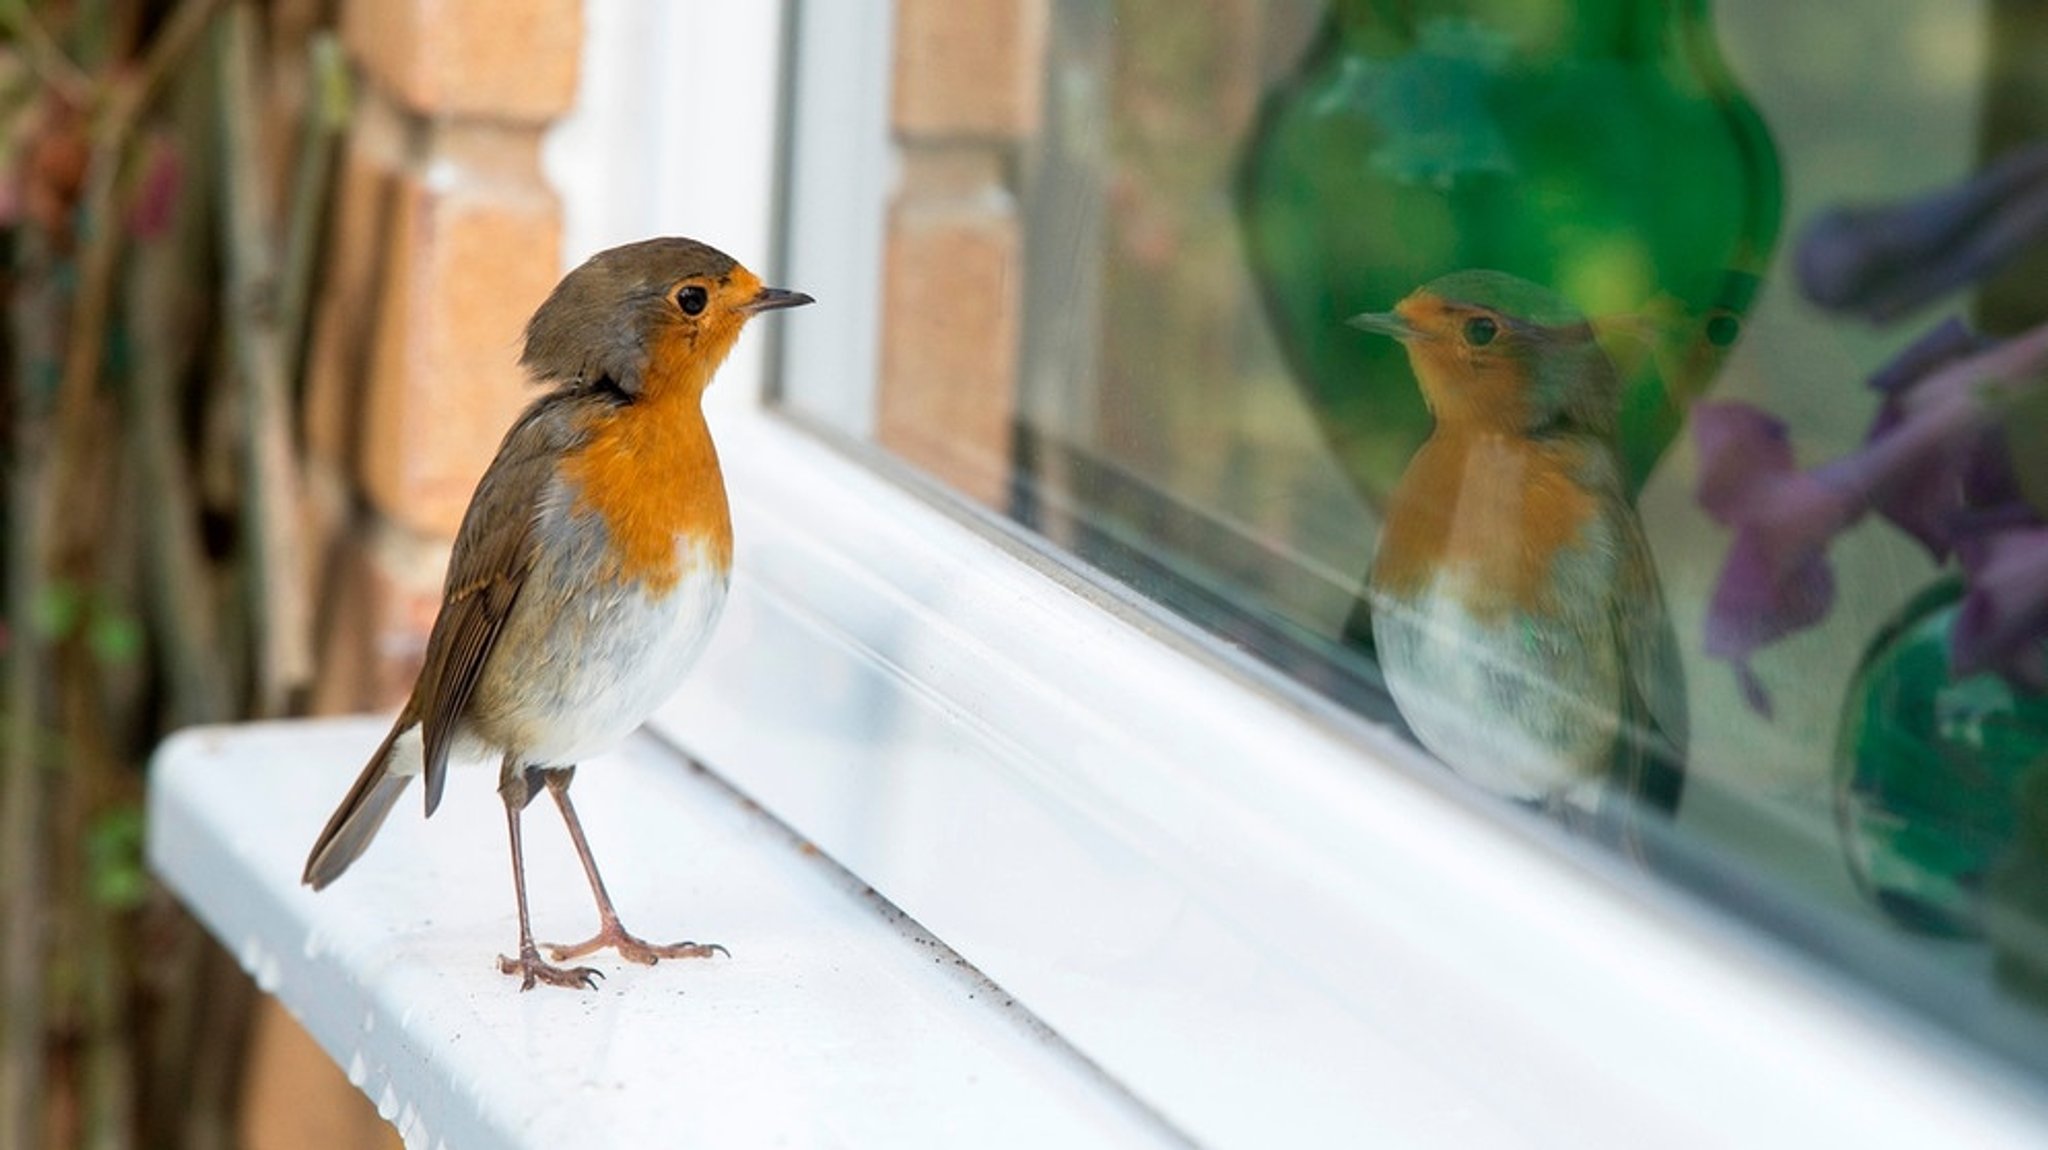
(1647, 778)
(1650, 645)
(493, 555)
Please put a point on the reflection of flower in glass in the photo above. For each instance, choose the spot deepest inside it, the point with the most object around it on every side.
(1775, 579)
(2006, 611)
(1934, 464)
(1885, 262)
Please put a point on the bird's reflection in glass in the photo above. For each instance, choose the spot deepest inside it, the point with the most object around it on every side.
(1517, 614)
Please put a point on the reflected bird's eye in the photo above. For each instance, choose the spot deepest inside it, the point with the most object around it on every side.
(1479, 331)
(1723, 329)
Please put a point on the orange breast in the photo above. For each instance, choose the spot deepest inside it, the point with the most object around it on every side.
(650, 472)
(1496, 509)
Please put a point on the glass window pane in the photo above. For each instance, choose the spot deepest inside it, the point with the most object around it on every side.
(1638, 401)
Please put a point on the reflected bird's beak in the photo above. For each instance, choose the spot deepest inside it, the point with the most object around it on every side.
(1385, 323)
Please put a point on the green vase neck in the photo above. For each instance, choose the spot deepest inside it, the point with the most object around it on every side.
(1540, 30)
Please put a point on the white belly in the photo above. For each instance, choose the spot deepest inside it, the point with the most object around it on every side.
(585, 672)
(1524, 710)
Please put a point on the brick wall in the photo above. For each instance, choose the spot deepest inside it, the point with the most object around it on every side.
(967, 99)
(444, 237)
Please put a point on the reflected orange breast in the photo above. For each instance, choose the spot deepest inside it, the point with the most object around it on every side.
(1493, 508)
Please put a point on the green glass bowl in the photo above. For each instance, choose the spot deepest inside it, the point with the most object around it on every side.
(1927, 769)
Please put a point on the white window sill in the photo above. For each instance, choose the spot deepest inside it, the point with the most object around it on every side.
(1299, 947)
(836, 1021)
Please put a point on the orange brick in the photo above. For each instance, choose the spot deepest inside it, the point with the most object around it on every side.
(383, 588)
(949, 347)
(489, 59)
(469, 261)
(296, 1098)
(972, 68)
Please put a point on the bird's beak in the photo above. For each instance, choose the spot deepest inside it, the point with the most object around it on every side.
(769, 299)
(1387, 323)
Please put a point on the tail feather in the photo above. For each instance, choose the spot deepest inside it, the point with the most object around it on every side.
(1645, 782)
(355, 822)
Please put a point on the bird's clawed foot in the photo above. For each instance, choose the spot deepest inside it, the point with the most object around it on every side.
(530, 969)
(632, 949)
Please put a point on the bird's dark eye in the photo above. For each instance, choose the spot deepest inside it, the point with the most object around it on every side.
(1722, 329)
(1479, 331)
(692, 299)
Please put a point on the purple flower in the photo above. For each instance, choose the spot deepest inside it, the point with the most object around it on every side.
(1743, 452)
(1776, 579)
(1944, 343)
(1942, 459)
(1886, 261)
(1928, 504)
(1925, 456)
(1926, 507)
(2004, 616)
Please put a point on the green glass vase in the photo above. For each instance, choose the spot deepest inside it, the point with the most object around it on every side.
(1596, 147)
(1928, 769)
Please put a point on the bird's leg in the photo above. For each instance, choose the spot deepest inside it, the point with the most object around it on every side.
(609, 932)
(517, 786)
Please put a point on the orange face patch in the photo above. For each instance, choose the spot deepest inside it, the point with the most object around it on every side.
(688, 349)
(1462, 384)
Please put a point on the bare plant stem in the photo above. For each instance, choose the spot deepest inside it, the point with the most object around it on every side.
(162, 307)
(277, 585)
(68, 497)
(48, 60)
(108, 1077)
(112, 135)
(35, 317)
(327, 113)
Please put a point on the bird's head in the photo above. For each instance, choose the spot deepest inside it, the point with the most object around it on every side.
(648, 316)
(1495, 351)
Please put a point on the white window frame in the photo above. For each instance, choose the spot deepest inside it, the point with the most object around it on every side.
(1270, 922)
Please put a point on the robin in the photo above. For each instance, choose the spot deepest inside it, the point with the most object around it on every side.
(1517, 616)
(589, 570)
